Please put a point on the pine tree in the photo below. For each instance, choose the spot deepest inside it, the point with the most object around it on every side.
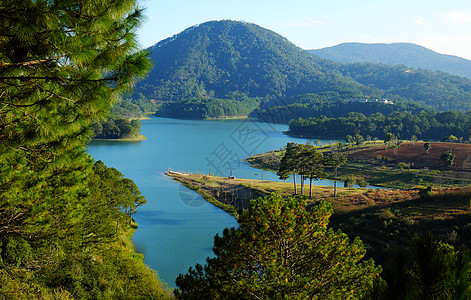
(281, 251)
(313, 165)
(335, 160)
(290, 163)
(62, 65)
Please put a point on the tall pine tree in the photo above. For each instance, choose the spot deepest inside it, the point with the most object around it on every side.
(63, 63)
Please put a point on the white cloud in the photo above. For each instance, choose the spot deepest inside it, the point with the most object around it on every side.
(304, 24)
(459, 45)
(421, 21)
(457, 17)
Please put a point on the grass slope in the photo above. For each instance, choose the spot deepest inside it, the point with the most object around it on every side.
(382, 218)
(381, 166)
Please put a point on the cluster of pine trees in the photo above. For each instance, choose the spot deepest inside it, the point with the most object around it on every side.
(432, 125)
(62, 217)
(283, 251)
(308, 162)
(116, 128)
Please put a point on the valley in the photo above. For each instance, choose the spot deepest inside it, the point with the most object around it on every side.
(226, 162)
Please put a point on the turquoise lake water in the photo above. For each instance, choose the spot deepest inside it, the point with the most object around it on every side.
(176, 227)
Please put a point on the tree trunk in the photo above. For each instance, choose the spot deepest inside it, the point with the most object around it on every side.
(302, 184)
(295, 188)
(310, 188)
(335, 182)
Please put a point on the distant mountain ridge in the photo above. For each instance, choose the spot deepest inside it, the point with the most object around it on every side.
(408, 54)
(218, 59)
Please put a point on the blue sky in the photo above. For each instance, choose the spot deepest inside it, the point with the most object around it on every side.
(443, 26)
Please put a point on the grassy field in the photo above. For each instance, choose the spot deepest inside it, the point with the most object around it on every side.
(407, 167)
(382, 218)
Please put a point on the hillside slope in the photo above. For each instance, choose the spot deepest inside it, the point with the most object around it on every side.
(408, 54)
(218, 57)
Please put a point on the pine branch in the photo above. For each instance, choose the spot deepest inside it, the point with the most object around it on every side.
(22, 78)
(34, 62)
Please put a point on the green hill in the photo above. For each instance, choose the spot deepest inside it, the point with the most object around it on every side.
(396, 54)
(439, 90)
(218, 59)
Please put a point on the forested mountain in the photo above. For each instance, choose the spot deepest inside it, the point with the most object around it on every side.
(437, 89)
(331, 105)
(219, 58)
(408, 54)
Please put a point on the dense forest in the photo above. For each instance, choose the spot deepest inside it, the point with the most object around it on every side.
(408, 54)
(329, 104)
(201, 108)
(116, 128)
(123, 122)
(437, 89)
(65, 221)
(218, 57)
(431, 125)
(213, 59)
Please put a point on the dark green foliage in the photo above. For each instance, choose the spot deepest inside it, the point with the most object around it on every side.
(439, 90)
(427, 147)
(105, 274)
(329, 104)
(349, 181)
(429, 269)
(200, 108)
(335, 160)
(309, 162)
(83, 256)
(218, 57)
(423, 125)
(128, 110)
(408, 54)
(312, 164)
(116, 128)
(448, 157)
(426, 192)
(290, 163)
(281, 251)
(62, 65)
(121, 193)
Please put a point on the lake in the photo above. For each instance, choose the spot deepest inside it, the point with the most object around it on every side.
(176, 226)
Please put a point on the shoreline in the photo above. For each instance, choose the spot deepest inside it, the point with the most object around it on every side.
(234, 194)
(133, 139)
(186, 180)
(222, 118)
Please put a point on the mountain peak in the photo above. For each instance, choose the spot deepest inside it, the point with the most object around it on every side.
(215, 58)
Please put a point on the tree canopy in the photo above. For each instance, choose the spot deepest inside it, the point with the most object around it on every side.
(62, 64)
(215, 58)
(281, 251)
(404, 125)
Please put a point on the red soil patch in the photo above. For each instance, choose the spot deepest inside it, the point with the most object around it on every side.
(416, 155)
